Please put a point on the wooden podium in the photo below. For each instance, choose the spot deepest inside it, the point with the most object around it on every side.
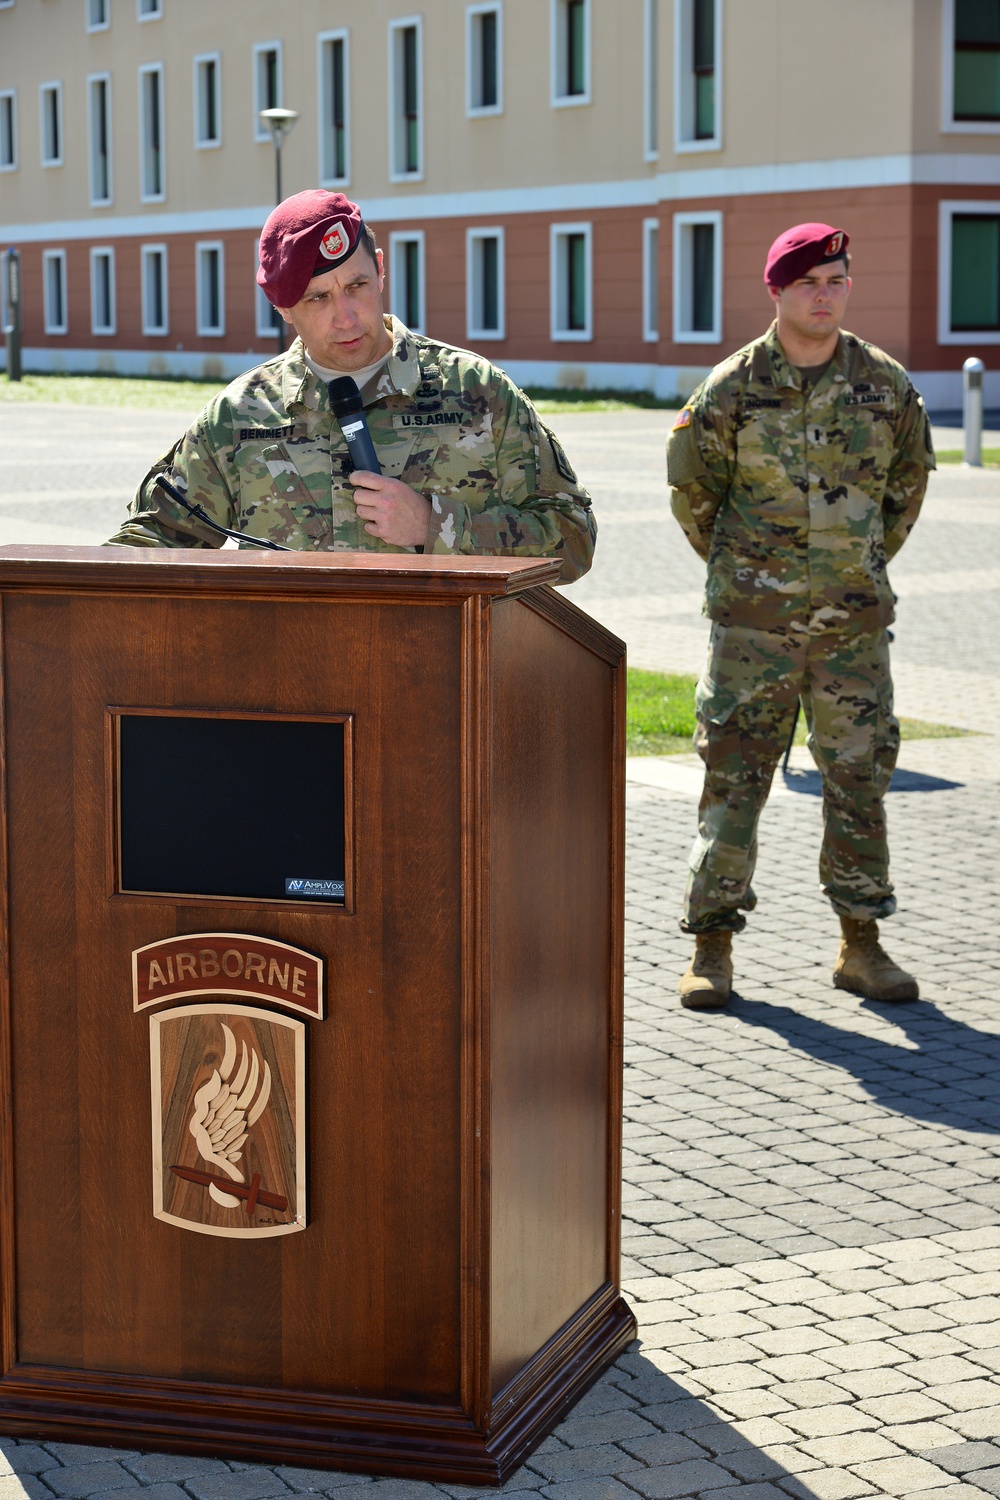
(403, 1257)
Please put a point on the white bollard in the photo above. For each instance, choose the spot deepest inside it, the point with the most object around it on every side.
(972, 412)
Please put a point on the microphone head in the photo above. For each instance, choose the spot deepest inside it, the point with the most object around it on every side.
(345, 397)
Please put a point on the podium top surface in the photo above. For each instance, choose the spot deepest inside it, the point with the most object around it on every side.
(166, 570)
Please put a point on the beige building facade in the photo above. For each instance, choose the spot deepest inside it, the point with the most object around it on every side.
(584, 190)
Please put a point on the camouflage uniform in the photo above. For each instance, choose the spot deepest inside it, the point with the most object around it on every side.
(267, 458)
(796, 499)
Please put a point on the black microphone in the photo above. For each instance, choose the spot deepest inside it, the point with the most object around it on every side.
(206, 520)
(348, 408)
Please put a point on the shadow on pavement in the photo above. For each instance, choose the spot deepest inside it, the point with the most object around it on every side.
(808, 782)
(950, 1079)
(691, 1448)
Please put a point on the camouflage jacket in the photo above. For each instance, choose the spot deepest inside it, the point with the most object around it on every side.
(798, 498)
(267, 458)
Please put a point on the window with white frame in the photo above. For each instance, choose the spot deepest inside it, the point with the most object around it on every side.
(407, 283)
(102, 290)
(571, 288)
(975, 273)
(152, 165)
(698, 278)
(50, 104)
(484, 59)
(208, 101)
(150, 10)
(697, 75)
(210, 288)
(99, 130)
(972, 64)
(54, 291)
(334, 108)
(406, 126)
(651, 80)
(268, 86)
(155, 292)
(651, 280)
(969, 262)
(268, 318)
(8, 130)
(485, 291)
(570, 25)
(98, 15)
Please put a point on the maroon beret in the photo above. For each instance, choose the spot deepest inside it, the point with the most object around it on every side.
(305, 235)
(800, 248)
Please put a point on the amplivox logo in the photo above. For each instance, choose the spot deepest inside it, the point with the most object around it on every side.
(330, 889)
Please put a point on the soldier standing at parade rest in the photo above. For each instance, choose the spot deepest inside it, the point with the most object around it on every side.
(797, 470)
(467, 466)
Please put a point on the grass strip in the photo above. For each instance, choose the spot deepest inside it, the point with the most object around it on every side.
(660, 716)
(166, 393)
(991, 457)
(125, 392)
(551, 400)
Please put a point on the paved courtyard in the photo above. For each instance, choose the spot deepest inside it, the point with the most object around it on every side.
(812, 1210)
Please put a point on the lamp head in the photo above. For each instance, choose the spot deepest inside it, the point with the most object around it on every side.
(279, 122)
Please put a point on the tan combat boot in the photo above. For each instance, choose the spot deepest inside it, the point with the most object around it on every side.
(864, 967)
(709, 979)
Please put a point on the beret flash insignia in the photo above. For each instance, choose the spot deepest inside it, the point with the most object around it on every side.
(334, 242)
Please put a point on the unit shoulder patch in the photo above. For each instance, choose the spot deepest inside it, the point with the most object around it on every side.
(560, 460)
(683, 418)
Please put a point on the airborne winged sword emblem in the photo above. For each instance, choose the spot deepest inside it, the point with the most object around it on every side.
(225, 1108)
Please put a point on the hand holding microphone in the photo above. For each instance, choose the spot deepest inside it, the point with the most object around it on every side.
(390, 509)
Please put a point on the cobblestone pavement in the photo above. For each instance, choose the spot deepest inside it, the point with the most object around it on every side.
(812, 1214)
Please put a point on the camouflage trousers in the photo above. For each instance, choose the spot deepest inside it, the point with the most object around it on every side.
(745, 705)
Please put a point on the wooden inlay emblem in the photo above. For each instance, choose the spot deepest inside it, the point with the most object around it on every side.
(228, 1107)
(228, 963)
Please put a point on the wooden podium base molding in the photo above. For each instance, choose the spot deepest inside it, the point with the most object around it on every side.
(412, 1439)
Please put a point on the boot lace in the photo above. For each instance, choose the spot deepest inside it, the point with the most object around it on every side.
(865, 941)
(713, 947)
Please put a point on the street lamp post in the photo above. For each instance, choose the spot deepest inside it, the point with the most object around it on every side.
(12, 278)
(279, 122)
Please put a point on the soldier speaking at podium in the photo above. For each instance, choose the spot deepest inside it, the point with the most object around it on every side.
(466, 464)
(797, 470)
